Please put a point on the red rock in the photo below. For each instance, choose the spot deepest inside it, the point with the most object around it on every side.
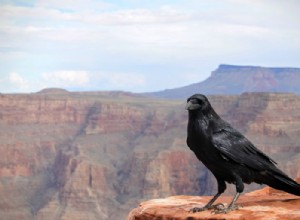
(261, 207)
(68, 155)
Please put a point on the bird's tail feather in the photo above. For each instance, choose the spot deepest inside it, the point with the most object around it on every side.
(282, 182)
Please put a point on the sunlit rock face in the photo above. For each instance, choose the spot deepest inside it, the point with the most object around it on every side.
(257, 205)
(96, 155)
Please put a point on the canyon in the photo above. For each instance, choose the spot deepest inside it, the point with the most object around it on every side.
(97, 155)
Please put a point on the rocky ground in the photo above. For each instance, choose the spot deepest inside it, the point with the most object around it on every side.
(263, 204)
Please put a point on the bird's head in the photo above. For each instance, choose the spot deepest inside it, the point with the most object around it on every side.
(198, 102)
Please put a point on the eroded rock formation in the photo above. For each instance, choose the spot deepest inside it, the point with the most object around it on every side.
(97, 155)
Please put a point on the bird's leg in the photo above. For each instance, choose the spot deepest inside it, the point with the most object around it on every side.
(209, 205)
(232, 206)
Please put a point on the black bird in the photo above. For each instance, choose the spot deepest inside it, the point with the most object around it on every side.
(230, 156)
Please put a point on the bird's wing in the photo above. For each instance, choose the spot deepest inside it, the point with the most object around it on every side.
(234, 146)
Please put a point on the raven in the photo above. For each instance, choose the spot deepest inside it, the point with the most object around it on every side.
(230, 156)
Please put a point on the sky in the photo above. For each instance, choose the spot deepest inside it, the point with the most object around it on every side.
(139, 45)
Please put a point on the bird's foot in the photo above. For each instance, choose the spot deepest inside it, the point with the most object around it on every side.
(218, 206)
(223, 210)
(197, 209)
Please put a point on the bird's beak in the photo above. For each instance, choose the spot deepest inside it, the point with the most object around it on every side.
(192, 106)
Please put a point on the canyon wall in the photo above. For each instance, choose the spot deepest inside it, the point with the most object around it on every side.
(96, 155)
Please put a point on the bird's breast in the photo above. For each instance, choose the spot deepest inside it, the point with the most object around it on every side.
(199, 141)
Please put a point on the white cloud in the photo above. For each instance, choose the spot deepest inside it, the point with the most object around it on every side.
(72, 79)
(131, 39)
(44, 13)
(170, 28)
(16, 79)
(135, 16)
(15, 82)
(123, 80)
(66, 78)
(74, 5)
(18, 82)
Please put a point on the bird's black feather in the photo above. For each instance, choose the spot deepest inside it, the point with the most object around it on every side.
(229, 155)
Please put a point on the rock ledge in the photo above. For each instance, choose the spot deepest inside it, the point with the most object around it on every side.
(262, 204)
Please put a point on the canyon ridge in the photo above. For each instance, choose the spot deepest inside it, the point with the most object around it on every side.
(97, 155)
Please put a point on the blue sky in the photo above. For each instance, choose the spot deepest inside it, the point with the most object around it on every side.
(140, 46)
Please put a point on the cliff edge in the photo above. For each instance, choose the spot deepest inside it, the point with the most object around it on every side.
(258, 205)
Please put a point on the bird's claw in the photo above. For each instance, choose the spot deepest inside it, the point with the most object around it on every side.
(224, 210)
(197, 209)
(216, 206)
